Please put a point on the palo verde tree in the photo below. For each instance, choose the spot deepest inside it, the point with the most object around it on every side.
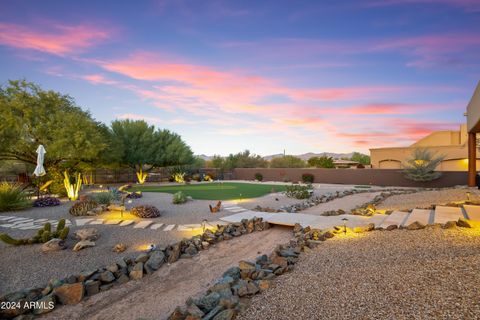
(421, 166)
(321, 162)
(287, 161)
(143, 148)
(30, 116)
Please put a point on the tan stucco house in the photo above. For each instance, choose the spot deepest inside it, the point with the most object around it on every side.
(451, 144)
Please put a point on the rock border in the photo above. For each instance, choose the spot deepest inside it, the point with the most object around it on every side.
(28, 303)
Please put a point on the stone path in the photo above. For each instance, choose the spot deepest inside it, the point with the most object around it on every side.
(441, 214)
(26, 223)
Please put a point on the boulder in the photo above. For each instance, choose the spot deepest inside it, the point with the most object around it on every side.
(92, 287)
(107, 277)
(246, 266)
(174, 253)
(208, 302)
(450, 225)
(45, 305)
(195, 311)
(392, 227)
(137, 271)
(83, 244)
(264, 284)
(53, 245)
(227, 314)
(178, 314)
(415, 226)
(156, 260)
(463, 223)
(90, 234)
(69, 293)
(142, 257)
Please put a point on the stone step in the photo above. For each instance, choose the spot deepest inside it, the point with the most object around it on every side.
(156, 226)
(473, 212)
(169, 227)
(444, 214)
(97, 221)
(143, 224)
(189, 227)
(421, 215)
(81, 222)
(396, 217)
(126, 223)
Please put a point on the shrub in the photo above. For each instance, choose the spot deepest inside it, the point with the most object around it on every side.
(81, 208)
(105, 197)
(421, 166)
(12, 197)
(308, 178)
(179, 198)
(134, 195)
(298, 191)
(145, 211)
(46, 202)
(258, 176)
(196, 177)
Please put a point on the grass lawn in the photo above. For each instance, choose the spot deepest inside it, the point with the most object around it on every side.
(217, 190)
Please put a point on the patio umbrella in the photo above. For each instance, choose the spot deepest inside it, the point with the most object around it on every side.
(40, 170)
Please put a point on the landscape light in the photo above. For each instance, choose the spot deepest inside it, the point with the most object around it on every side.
(468, 195)
(345, 225)
(151, 247)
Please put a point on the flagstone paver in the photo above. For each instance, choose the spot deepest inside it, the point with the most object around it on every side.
(81, 222)
(444, 214)
(113, 221)
(396, 217)
(169, 227)
(421, 215)
(156, 226)
(473, 212)
(143, 224)
(97, 221)
(126, 223)
(3, 218)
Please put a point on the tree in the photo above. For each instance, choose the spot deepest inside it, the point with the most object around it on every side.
(143, 148)
(245, 160)
(287, 162)
(421, 166)
(217, 162)
(30, 116)
(321, 162)
(360, 158)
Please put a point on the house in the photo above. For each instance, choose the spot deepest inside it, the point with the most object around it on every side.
(450, 144)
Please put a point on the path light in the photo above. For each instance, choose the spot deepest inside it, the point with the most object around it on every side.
(345, 225)
(151, 247)
(468, 195)
(204, 223)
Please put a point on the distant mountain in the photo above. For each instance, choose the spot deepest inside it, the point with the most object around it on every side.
(304, 156)
(308, 155)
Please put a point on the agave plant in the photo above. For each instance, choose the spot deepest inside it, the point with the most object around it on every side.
(421, 166)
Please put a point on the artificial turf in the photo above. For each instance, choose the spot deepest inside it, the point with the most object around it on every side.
(217, 190)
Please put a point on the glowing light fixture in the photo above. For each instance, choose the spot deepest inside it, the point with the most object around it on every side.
(141, 176)
(345, 225)
(72, 189)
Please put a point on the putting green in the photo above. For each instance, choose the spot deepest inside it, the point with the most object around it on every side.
(217, 190)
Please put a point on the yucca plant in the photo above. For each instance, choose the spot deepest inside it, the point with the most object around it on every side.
(12, 197)
(72, 189)
(141, 176)
(421, 166)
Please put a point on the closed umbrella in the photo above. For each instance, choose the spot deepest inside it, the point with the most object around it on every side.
(40, 170)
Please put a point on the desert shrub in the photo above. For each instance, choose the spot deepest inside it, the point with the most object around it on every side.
(196, 177)
(145, 211)
(12, 197)
(308, 178)
(46, 202)
(421, 166)
(298, 191)
(105, 197)
(179, 198)
(115, 193)
(81, 208)
(207, 177)
(258, 176)
(134, 195)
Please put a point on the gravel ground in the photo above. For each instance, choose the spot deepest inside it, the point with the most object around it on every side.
(426, 198)
(426, 274)
(346, 203)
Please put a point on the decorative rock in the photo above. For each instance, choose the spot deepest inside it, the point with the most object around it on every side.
(450, 225)
(106, 287)
(69, 293)
(107, 277)
(178, 314)
(123, 279)
(155, 261)
(84, 275)
(92, 287)
(208, 302)
(281, 261)
(83, 244)
(246, 266)
(45, 305)
(174, 253)
(121, 263)
(415, 226)
(142, 257)
(53, 245)
(213, 313)
(205, 245)
(392, 227)
(264, 284)
(463, 223)
(113, 268)
(227, 314)
(195, 311)
(191, 250)
(119, 247)
(90, 234)
(137, 271)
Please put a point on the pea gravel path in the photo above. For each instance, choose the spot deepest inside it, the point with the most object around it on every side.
(427, 274)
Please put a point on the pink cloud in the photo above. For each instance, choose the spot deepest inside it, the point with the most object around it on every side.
(58, 40)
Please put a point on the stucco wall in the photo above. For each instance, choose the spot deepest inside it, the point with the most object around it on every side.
(378, 177)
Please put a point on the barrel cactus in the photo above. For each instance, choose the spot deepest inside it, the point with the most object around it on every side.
(43, 235)
(146, 211)
(82, 208)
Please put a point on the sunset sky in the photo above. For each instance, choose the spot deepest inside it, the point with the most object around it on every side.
(303, 76)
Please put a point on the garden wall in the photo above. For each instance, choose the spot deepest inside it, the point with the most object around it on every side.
(379, 177)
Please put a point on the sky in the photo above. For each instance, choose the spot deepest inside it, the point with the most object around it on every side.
(268, 76)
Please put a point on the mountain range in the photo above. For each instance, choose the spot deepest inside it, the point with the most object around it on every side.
(304, 156)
